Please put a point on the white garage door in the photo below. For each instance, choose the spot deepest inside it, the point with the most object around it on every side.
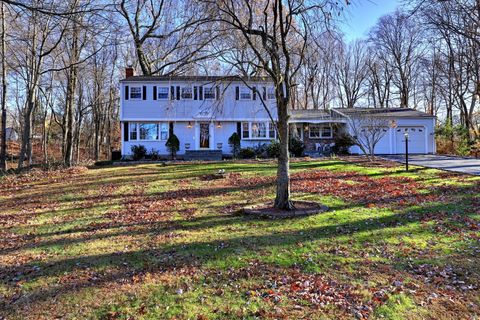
(416, 139)
(383, 145)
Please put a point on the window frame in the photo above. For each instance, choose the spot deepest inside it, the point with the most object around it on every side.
(243, 90)
(213, 92)
(271, 93)
(158, 93)
(131, 92)
(181, 92)
(321, 127)
(269, 128)
(162, 131)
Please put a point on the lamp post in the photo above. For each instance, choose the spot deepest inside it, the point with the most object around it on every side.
(406, 151)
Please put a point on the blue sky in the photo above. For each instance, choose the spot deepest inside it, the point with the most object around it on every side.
(363, 14)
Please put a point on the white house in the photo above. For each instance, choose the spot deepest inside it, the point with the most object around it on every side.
(204, 111)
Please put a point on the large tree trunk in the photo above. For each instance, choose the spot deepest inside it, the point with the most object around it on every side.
(3, 144)
(282, 200)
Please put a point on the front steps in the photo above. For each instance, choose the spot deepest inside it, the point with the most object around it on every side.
(205, 155)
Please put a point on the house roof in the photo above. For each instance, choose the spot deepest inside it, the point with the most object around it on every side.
(385, 112)
(195, 78)
(309, 113)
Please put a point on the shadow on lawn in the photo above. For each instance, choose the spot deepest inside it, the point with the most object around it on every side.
(124, 265)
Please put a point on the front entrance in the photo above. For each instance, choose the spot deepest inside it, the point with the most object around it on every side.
(204, 135)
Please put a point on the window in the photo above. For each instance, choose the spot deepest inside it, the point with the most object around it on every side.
(187, 93)
(148, 131)
(209, 93)
(163, 93)
(133, 131)
(245, 130)
(163, 131)
(245, 93)
(318, 131)
(271, 130)
(258, 130)
(136, 93)
(271, 94)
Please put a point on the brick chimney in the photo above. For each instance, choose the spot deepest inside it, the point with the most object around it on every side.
(129, 72)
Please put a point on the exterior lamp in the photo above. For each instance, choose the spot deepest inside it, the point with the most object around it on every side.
(219, 124)
(189, 125)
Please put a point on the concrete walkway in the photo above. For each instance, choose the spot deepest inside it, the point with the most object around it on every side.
(456, 164)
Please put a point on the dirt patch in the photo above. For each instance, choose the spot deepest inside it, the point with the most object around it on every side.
(301, 209)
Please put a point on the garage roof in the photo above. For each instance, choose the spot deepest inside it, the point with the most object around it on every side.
(385, 112)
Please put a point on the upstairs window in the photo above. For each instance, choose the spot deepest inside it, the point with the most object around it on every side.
(271, 93)
(136, 93)
(187, 93)
(163, 93)
(209, 93)
(245, 93)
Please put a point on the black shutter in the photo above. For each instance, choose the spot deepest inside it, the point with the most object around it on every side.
(170, 128)
(195, 93)
(154, 92)
(126, 93)
(200, 92)
(217, 92)
(254, 93)
(144, 92)
(172, 93)
(237, 93)
(239, 129)
(125, 131)
(264, 93)
(178, 93)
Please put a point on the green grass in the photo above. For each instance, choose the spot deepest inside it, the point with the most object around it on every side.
(159, 242)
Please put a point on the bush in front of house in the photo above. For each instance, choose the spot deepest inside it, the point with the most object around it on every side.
(173, 145)
(296, 147)
(234, 141)
(273, 149)
(139, 152)
(246, 153)
(343, 142)
(154, 154)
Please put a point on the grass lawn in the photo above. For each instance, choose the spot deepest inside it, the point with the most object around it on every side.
(163, 242)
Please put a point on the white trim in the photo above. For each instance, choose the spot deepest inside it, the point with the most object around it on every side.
(181, 93)
(168, 93)
(240, 93)
(214, 92)
(130, 93)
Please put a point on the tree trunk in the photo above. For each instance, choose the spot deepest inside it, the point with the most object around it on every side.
(3, 144)
(282, 200)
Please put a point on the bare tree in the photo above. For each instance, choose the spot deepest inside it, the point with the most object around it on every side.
(277, 32)
(351, 72)
(367, 130)
(3, 143)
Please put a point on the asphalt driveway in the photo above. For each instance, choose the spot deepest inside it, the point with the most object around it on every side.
(456, 164)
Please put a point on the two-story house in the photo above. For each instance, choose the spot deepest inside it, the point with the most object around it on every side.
(204, 111)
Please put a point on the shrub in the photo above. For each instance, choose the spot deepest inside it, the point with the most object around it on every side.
(261, 150)
(273, 149)
(343, 142)
(246, 153)
(139, 152)
(173, 145)
(296, 147)
(234, 141)
(154, 154)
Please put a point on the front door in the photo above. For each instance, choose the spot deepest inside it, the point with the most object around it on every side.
(204, 135)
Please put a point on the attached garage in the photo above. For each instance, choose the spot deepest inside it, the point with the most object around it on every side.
(420, 127)
(417, 140)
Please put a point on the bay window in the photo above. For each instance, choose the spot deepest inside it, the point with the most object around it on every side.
(148, 131)
(258, 130)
